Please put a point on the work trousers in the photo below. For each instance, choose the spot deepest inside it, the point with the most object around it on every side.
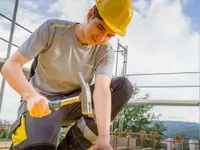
(30, 133)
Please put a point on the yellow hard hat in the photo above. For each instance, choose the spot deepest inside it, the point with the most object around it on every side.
(117, 14)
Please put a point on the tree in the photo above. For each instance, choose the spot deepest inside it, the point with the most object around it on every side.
(159, 126)
(139, 117)
(4, 129)
(3, 134)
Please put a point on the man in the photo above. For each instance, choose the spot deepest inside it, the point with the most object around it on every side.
(60, 50)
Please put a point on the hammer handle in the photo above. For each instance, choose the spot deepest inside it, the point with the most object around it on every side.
(55, 104)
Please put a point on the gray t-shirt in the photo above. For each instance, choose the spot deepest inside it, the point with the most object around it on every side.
(61, 57)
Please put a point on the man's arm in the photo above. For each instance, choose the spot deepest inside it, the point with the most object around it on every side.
(102, 105)
(12, 71)
(13, 74)
(102, 96)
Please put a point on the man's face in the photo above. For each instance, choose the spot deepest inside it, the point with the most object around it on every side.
(97, 32)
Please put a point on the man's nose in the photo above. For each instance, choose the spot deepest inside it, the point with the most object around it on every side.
(100, 37)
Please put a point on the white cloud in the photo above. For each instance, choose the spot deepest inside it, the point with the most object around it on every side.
(73, 10)
(3, 49)
(54, 7)
(162, 41)
(11, 102)
(141, 6)
(186, 2)
(30, 19)
(30, 4)
(189, 114)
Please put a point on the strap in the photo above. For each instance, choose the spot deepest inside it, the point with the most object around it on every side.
(87, 133)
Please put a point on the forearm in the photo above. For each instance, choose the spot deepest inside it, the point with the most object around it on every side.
(102, 105)
(15, 77)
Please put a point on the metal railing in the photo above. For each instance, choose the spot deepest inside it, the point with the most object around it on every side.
(133, 140)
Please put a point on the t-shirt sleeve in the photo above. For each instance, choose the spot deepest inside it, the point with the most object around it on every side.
(105, 67)
(37, 42)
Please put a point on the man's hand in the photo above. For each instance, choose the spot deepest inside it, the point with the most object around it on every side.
(102, 144)
(38, 106)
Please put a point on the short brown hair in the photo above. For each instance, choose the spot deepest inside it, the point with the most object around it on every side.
(96, 13)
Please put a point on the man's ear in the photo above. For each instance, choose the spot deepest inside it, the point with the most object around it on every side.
(90, 14)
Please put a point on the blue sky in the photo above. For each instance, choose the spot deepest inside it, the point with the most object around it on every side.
(192, 9)
(42, 7)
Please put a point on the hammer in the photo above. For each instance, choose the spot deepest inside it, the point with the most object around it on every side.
(84, 98)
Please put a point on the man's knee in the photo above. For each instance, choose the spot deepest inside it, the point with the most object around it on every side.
(125, 86)
(122, 92)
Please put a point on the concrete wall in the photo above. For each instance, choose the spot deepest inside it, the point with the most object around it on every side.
(5, 145)
(193, 144)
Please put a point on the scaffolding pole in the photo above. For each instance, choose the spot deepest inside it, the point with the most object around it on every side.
(9, 48)
(199, 85)
(117, 57)
(164, 102)
(124, 52)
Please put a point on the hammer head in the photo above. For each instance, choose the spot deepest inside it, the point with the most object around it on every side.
(85, 97)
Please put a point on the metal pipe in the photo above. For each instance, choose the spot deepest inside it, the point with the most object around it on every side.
(126, 56)
(199, 85)
(120, 51)
(16, 23)
(124, 63)
(164, 73)
(163, 102)
(9, 48)
(8, 42)
(117, 58)
(175, 86)
(112, 127)
(121, 122)
(122, 46)
(12, 28)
